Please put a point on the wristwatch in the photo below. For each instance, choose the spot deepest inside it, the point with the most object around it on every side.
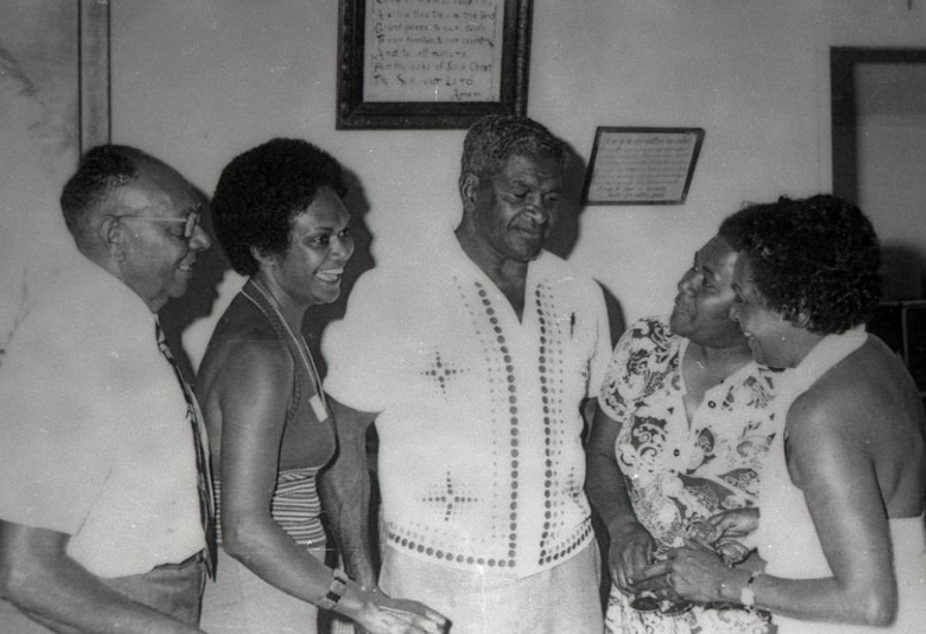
(335, 591)
(748, 593)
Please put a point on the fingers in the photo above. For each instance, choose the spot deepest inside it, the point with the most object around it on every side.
(662, 587)
(702, 531)
(424, 612)
(736, 521)
(627, 561)
(694, 544)
(638, 558)
(652, 571)
(732, 551)
(749, 540)
(402, 622)
(620, 578)
(616, 567)
(403, 616)
(723, 522)
(428, 626)
(655, 585)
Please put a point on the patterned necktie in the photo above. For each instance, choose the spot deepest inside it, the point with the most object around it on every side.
(203, 475)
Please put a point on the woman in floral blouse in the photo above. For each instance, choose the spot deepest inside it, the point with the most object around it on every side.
(681, 434)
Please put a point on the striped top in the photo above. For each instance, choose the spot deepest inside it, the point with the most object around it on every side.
(295, 507)
(295, 504)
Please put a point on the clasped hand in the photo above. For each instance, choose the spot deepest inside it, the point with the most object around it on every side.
(385, 615)
(694, 571)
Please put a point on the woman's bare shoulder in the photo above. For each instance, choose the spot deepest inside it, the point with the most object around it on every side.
(242, 352)
(866, 403)
(872, 376)
(865, 410)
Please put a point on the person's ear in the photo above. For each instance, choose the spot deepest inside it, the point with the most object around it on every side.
(112, 234)
(802, 319)
(469, 190)
(263, 257)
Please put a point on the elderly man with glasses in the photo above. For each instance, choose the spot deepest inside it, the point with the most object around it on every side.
(105, 508)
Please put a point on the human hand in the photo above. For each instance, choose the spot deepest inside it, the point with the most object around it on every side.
(703, 532)
(384, 615)
(631, 550)
(736, 523)
(693, 572)
(737, 533)
(711, 535)
(732, 551)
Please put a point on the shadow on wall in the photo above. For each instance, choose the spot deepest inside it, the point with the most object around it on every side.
(566, 232)
(199, 299)
(318, 317)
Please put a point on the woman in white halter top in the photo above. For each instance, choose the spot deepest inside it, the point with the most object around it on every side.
(841, 500)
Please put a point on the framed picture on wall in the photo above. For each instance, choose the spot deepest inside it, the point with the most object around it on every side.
(425, 64)
(642, 166)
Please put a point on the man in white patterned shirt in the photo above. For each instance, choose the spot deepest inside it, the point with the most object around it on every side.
(474, 366)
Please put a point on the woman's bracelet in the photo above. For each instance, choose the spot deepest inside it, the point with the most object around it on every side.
(335, 591)
(748, 593)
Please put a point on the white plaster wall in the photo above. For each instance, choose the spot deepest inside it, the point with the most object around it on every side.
(38, 147)
(196, 81)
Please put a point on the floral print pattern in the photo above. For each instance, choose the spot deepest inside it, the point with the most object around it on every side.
(678, 470)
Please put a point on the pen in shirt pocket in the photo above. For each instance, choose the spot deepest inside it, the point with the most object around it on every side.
(572, 324)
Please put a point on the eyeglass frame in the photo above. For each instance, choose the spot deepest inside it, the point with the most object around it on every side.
(191, 221)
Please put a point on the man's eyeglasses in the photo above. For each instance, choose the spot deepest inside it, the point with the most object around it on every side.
(189, 223)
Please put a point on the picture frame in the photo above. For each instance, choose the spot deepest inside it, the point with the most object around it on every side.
(641, 166)
(846, 95)
(416, 64)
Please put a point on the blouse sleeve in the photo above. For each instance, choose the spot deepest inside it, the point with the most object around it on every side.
(617, 387)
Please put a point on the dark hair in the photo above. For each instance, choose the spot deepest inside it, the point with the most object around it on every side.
(262, 189)
(493, 138)
(102, 169)
(817, 256)
(736, 227)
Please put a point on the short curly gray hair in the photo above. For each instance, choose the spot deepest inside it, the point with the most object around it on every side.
(494, 138)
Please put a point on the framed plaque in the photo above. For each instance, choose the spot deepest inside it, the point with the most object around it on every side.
(426, 64)
(642, 166)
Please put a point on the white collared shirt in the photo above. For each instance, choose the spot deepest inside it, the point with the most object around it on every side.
(96, 443)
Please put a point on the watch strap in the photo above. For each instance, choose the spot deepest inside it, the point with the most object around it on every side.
(748, 593)
(335, 591)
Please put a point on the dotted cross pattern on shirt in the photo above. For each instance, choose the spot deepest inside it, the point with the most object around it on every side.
(442, 372)
(450, 498)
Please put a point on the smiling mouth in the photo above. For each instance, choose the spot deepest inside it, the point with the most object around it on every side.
(331, 277)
